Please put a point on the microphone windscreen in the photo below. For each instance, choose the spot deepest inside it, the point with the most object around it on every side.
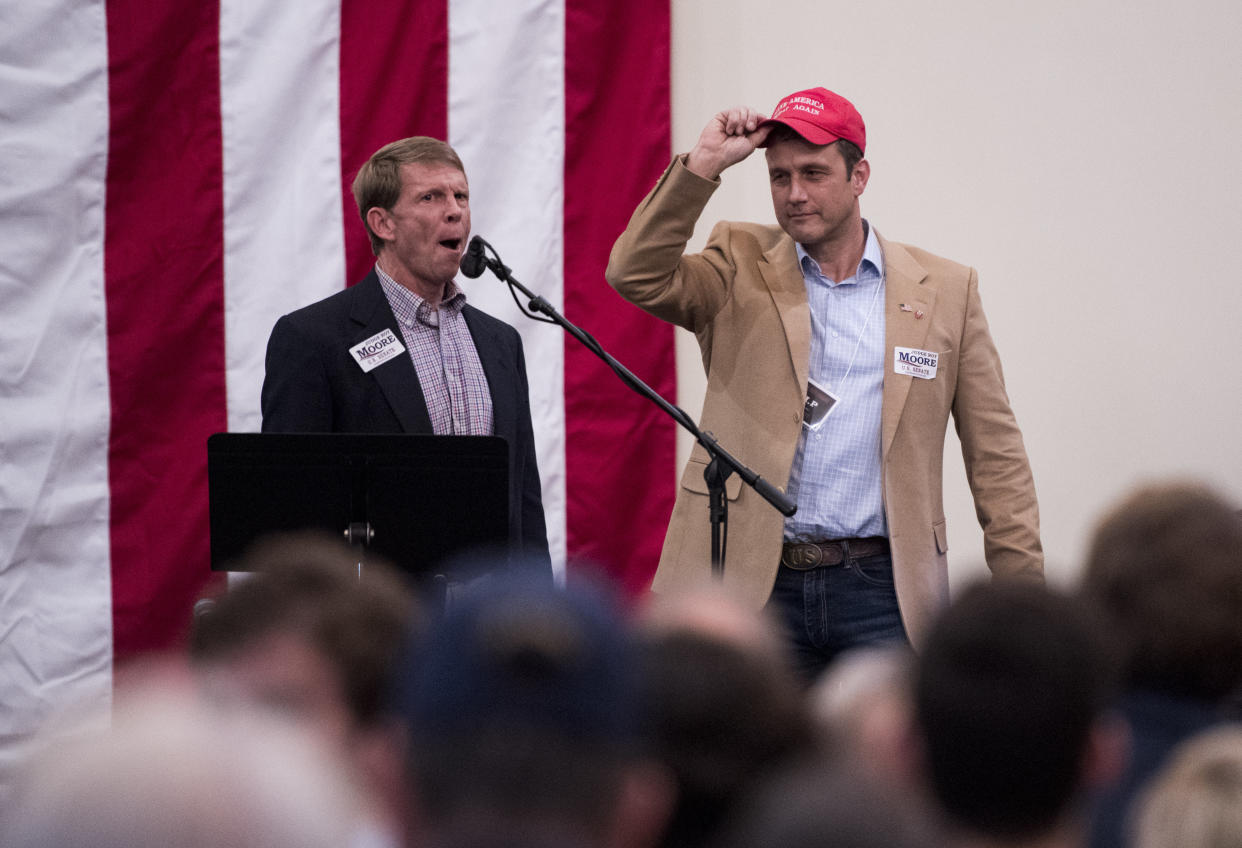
(473, 261)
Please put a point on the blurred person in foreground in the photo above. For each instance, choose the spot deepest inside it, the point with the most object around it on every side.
(523, 715)
(1165, 566)
(862, 709)
(308, 639)
(1195, 801)
(1012, 696)
(174, 772)
(722, 704)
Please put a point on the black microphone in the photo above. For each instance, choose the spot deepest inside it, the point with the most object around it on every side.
(473, 261)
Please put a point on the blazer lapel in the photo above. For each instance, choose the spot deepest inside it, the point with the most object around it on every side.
(784, 279)
(397, 378)
(903, 284)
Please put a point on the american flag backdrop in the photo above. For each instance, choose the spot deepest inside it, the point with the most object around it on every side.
(174, 176)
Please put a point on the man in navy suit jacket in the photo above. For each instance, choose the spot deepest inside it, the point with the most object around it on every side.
(401, 351)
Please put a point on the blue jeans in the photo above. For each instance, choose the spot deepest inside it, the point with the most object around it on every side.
(830, 609)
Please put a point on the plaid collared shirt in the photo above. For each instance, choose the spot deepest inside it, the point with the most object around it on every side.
(449, 371)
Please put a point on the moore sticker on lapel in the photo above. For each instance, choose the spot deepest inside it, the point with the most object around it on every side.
(819, 402)
(915, 363)
(377, 350)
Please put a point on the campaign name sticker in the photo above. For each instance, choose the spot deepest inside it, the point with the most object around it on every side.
(915, 363)
(376, 350)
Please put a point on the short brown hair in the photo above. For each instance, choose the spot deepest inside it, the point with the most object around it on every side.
(850, 151)
(378, 183)
(1166, 565)
(1012, 672)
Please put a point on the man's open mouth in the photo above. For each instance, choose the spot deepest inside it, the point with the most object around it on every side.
(451, 244)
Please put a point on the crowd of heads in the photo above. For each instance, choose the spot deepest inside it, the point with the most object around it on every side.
(315, 706)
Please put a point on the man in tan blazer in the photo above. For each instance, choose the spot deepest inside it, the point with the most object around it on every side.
(834, 358)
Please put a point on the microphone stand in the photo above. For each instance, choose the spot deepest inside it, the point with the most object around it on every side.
(722, 463)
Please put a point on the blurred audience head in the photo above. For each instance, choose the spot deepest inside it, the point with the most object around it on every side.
(1011, 692)
(713, 610)
(173, 772)
(723, 707)
(862, 707)
(523, 714)
(305, 636)
(1165, 564)
(810, 805)
(1195, 801)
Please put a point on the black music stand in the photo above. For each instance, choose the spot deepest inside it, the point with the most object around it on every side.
(416, 500)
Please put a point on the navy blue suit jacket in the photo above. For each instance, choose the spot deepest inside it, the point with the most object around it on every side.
(314, 385)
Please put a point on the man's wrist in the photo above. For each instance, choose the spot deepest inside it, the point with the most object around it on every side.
(704, 165)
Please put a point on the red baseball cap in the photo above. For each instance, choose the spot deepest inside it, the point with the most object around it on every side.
(820, 116)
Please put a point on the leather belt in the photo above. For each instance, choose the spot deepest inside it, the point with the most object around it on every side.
(803, 556)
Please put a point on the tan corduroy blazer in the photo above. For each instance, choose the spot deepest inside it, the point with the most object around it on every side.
(745, 300)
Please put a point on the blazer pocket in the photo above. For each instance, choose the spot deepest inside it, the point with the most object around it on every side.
(942, 537)
(692, 480)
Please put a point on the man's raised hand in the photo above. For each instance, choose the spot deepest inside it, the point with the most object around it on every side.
(728, 138)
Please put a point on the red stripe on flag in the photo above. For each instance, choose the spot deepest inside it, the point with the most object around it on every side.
(619, 449)
(394, 84)
(164, 282)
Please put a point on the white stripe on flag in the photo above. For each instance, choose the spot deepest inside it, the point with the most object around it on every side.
(55, 590)
(507, 122)
(280, 108)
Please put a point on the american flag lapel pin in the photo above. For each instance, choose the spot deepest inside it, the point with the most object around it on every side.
(904, 307)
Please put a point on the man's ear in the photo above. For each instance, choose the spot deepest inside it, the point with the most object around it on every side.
(862, 173)
(380, 222)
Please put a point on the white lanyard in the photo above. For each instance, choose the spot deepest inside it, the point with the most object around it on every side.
(866, 323)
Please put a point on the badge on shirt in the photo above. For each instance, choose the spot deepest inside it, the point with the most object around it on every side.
(376, 350)
(915, 363)
(819, 402)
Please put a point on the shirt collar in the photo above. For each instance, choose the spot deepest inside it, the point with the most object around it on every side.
(870, 266)
(408, 306)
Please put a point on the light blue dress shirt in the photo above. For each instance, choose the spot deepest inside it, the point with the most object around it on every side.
(836, 475)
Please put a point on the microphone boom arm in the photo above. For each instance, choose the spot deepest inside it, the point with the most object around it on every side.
(723, 463)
